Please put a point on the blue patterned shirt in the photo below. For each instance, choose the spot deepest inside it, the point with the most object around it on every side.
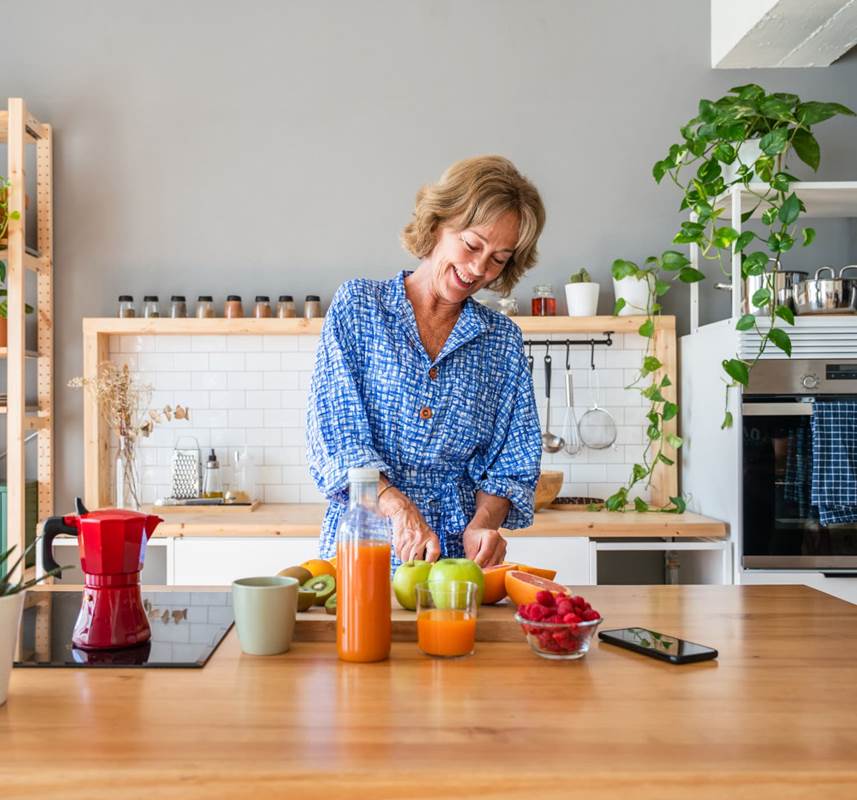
(439, 430)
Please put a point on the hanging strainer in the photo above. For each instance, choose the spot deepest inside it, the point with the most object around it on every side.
(597, 427)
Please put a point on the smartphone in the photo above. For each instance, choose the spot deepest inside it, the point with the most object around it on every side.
(658, 645)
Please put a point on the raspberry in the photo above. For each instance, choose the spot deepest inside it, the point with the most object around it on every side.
(536, 612)
(563, 607)
(577, 600)
(524, 611)
(546, 599)
(553, 618)
(590, 614)
(571, 619)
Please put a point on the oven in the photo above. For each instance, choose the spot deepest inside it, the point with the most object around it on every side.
(781, 528)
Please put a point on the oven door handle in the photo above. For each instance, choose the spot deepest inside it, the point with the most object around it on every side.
(849, 574)
(776, 409)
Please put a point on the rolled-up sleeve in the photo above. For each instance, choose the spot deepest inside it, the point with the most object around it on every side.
(510, 465)
(338, 432)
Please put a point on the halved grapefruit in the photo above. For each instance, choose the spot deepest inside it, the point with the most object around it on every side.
(550, 574)
(495, 583)
(522, 587)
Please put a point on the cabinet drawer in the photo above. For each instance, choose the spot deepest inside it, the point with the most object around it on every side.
(219, 561)
(569, 556)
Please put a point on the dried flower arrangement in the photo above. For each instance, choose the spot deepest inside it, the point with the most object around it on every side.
(123, 403)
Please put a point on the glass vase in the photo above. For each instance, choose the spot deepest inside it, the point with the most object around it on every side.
(127, 485)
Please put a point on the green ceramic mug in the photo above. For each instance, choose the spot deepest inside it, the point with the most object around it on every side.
(265, 610)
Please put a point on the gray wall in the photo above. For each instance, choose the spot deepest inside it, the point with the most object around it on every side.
(276, 146)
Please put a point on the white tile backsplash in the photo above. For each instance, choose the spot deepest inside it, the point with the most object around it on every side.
(250, 392)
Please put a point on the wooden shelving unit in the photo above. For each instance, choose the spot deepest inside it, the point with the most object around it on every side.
(19, 130)
(98, 330)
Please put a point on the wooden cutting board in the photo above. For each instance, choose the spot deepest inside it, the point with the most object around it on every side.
(493, 624)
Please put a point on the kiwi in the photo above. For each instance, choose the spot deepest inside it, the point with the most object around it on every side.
(306, 600)
(330, 604)
(323, 586)
(300, 574)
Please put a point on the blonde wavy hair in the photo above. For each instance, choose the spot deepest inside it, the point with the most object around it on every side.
(477, 191)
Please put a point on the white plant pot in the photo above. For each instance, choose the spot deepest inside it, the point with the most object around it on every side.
(582, 299)
(637, 295)
(748, 152)
(11, 607)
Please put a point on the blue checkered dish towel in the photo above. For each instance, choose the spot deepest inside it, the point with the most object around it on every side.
(834, 461)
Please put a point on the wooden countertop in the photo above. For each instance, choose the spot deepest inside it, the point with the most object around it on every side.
(773, 717)
(305, 520)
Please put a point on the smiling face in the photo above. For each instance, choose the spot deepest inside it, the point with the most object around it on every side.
(465, 261)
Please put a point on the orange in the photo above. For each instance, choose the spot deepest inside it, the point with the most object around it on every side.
(495, 583)
(550, 574)
(318, 566)
(523, 587)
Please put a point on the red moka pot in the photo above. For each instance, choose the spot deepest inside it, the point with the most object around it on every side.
(112, 550)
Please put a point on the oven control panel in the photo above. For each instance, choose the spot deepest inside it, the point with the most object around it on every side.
(803, 377)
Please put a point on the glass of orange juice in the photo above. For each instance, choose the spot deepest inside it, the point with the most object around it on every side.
(446, 618)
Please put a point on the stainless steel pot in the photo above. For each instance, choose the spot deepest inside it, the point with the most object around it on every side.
(827, 295)
(782, 282)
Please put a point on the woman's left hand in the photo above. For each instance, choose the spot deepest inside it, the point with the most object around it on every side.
(485, 546)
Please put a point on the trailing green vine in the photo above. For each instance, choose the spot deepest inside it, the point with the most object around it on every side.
(782, 125)
(5, 216)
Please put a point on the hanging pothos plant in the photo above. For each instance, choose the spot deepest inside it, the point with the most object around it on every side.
(780, 124)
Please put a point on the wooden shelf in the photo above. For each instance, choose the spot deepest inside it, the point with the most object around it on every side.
(163, 326)
(832, 199)
(33, 130)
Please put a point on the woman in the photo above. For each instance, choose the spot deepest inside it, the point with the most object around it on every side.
(415, 378)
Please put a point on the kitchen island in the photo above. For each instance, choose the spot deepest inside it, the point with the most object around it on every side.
(772, 717)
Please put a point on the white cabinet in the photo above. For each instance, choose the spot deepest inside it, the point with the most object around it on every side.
(203, 561)
(570, 556)
(843, 588)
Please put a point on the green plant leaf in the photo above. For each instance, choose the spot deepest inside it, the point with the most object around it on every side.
(786, 314)
(749, 91)
(727, 421)
(659, 170)
(661, 287)
(640, 504)
(669, 411)
(781, 181)
(774, 143)
(653, 432)
(723, 237)
(761, 297)
(806, 147)
(651, 364)
(808, 236)
(680, 504)
(743, 240)
(675, 441)
(813, 112)
(616, 501)
(668, 461)
(790, 209)
(776, 108)
(755, 263)
(690, 275)
(737, 370)
(725, 152)
(709, 171)
(769, 215)
(618, 306)
(707, 111)
(638, 472)
(647, 329)
(748, 214)
(624, 269)
(665, 381)
(780, 242)
(781, 339)
(746, 323)
(672, 260)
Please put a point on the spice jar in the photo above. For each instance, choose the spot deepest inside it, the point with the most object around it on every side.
(126, 307)
(312, 306)
(544, 302)
(262, 309)
(178, 306)
(151, 306)
(233, 309)
(204, 306)
(286, 306)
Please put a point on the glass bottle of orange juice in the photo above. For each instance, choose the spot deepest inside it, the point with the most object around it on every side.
(363, 626)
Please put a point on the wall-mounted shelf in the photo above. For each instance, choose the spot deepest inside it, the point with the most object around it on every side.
(832, 199)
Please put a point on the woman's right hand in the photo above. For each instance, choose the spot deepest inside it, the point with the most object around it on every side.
(412, 537)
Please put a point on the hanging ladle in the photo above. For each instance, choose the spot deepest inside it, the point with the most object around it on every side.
(550, 442)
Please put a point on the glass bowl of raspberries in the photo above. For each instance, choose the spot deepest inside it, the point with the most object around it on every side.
(559, 626)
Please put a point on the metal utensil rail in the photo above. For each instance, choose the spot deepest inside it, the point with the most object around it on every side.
(607, 341)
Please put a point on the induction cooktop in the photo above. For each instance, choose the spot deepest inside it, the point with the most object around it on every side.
(187, 627)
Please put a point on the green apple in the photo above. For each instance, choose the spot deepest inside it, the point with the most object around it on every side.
(448, 570)
(405, 581)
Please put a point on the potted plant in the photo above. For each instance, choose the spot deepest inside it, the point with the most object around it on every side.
(11, 606)
(581, 295)
(634, 291)
(5, 216)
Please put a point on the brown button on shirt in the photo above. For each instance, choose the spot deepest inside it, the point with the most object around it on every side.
(433, 373)
(425, 413)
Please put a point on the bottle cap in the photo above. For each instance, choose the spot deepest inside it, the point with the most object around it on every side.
(177, 298)
(363, 474)
(205, 298)
(212, 457)
(311, 297)
(126, 298)
(234, 297)
(262, 298)
(286, 298)
(150, 298)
